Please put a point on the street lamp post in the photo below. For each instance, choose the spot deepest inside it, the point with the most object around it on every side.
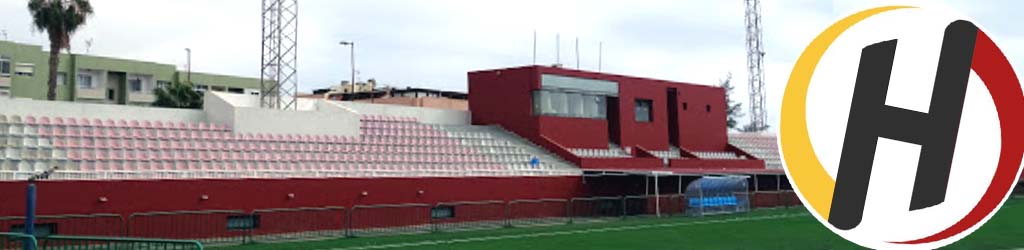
(188, 65)
(352, 61)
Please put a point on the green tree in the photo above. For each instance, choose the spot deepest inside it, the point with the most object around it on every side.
(60, 19)
(178, 95)
(733, 109)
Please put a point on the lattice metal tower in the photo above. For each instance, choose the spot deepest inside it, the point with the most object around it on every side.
(755, 66)
(279, 64)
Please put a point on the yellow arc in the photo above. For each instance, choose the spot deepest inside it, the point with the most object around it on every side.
(805, 170)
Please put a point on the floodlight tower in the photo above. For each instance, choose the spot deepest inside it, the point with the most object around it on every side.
(755, 65)
(279, 63)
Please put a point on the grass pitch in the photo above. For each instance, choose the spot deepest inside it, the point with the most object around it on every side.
(790, 228)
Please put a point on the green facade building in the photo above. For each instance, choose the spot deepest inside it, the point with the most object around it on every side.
(24, 71)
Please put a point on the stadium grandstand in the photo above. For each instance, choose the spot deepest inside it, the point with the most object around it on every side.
(538, 143)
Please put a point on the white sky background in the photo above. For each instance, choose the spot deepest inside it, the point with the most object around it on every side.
(433, 44)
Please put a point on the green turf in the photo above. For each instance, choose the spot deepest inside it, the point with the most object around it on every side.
(762, 229)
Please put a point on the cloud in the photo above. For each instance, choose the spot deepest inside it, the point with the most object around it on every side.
(434, 43)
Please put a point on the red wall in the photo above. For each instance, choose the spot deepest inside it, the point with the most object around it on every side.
(126, 197)
(505, 97)
(650, 135)
(699, 129)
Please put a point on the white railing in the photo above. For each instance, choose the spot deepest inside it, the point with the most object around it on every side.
(234, 174)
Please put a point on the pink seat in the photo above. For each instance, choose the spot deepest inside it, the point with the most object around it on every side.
(159, 125)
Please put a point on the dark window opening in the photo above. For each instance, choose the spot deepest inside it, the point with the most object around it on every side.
(243, 222)
(5, 66)
(41, 230)
(707, 108)
(442, 212)
(684, 106)
(643, 110)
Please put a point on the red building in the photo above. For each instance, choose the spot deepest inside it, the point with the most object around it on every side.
(611, 122)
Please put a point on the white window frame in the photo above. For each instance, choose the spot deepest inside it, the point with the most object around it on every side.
(133, 81)
(18, 69)
(62, 78)
(92, 81)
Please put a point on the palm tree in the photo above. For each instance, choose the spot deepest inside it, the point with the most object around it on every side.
(178, 95)
(60, 19)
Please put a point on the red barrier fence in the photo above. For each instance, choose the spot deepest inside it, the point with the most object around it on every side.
(235, 227)
(390, 219)
(299, 223)
(70, 224)
(208, 226)
(461, 216)
(664, 205)
(538, 212)
(766, 199)
(597, 207)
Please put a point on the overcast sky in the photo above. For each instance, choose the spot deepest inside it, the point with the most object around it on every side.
(433, 44)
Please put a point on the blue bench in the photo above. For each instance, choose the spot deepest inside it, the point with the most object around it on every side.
(714, 201)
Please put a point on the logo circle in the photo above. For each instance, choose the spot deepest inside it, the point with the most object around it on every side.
(815, 182)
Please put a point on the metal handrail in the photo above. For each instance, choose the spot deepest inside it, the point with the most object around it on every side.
(31, 239)
(197, 244)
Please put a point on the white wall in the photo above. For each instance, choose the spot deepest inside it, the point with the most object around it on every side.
(25, 107)
(425, 115)
(236, 100)
(242, 112)
(218, 109)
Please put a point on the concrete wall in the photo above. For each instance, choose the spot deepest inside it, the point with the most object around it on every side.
(259, 120)
(315, 117)
(426, 102)
(425, 115)
(219, 109)
(97, 111)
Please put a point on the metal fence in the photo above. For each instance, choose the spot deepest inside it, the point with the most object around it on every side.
(58, 242)
(17, 241)
(226, 227)
(298, 223)
(591, 209)
(411, 218)
(69, 224)
(461, 216)
(207, 226)
(538, 212)
(786, 198)
(650, 205)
